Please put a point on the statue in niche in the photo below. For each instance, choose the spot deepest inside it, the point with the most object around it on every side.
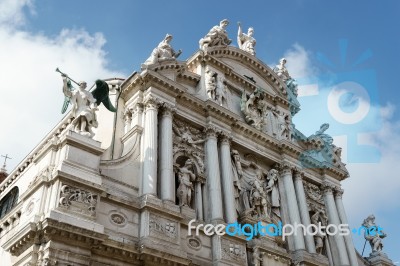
(185, 189)
(211, 84)
(241, 193)
(258, 196)
(184, 135)
(373, 234)
(163, 51)
(246, 42)
(216, 36)
(272, 188)
(253, 107)
(286, 127)
(221, 92)
(319, 217)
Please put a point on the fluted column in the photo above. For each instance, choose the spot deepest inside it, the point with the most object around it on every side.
(333, 218)
(294, 215)
(213, 176)
(199, 201)
(166, 154)
(304, 214)
(149, 181)
(227, 180)
(343, 218)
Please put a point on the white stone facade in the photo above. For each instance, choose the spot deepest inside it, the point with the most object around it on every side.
(172, 154)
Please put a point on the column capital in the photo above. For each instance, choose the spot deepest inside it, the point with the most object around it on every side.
(211, 131)
(298, 174)
(338, 192)
(225, 137)
(151, 103)
(284, 168)
(128, 114)
(327, 187)
(167, 109)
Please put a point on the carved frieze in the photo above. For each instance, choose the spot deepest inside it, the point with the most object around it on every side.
(162, 227)
(233, 251)
(78, 200)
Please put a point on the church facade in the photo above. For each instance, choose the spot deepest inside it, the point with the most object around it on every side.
(193, 145)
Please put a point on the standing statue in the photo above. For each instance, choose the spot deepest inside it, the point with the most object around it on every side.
(281, 70)
(221, 92)
(258, 196)
(216, 36)
(272, 187)
(84, 103)
(211, 84)
(271, 120)
(246, 42)
(373, 234)
(319, 218)
(163, 52)
(185, 177)
(285, 126)
(253, 108)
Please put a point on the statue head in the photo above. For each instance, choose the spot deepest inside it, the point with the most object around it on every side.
(168, 37)
(250, 31)
(223, 23)
(188, 162)
(82, 85)
(282, 61)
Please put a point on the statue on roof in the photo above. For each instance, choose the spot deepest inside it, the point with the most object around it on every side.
(84, 103)
(246, 42)
(216, 36)
(373, 234)
(163, 51)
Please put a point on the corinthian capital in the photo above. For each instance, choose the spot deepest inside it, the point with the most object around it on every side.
(167, 109)
(151, 102)
(225, 137)
(327, 187)
(285, 168)
(211, 131)
(338, 192)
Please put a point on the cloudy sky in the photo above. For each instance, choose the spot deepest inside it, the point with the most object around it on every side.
(345, 56)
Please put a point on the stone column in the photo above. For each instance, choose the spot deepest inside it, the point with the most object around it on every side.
(199, 201)
(343, 218)
(166, 155)
(227, 180)
(333, 218)
(149, 180)
(304, 214)
(213, 176)
(294, 215)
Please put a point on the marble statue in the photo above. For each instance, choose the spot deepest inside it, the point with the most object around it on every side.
(373, 234)
(316, 218)
(163, 52)
(216, 36)
(184, 135)
(258, 196)
(211, 84)
(241, 194)
(246, 42)
(286, 127)
(271, 125)
(221, 92)
(281, 70)
(272, 188)
(185, 177)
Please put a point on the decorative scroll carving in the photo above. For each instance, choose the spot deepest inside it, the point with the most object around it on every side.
(162, 227)
(233, 251)
(78, 200)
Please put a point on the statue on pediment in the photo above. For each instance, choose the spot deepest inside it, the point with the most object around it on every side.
(281, 70)
(216, 36)
(163, 52)
(246, 42)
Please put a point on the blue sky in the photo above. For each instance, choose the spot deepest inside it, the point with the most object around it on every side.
(113, 38)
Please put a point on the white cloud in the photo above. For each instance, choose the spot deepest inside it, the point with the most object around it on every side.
(298, 62)
(31, 95)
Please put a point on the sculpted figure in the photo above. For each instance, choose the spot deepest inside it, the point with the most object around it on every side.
(185, 177)
(272, 187)
(328, 140)
(253, 109)
(271, 124)
(216, 36)
(163, 52)
(246, 42)
(373, 234)
(316, 218)
(185, 136)
(281, 70)
(286, 127)
(241, 194)
(221, 92)
(84, 103)
(211, 84)
(258, 196)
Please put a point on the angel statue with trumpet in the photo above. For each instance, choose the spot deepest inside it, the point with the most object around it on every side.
(84, 103)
